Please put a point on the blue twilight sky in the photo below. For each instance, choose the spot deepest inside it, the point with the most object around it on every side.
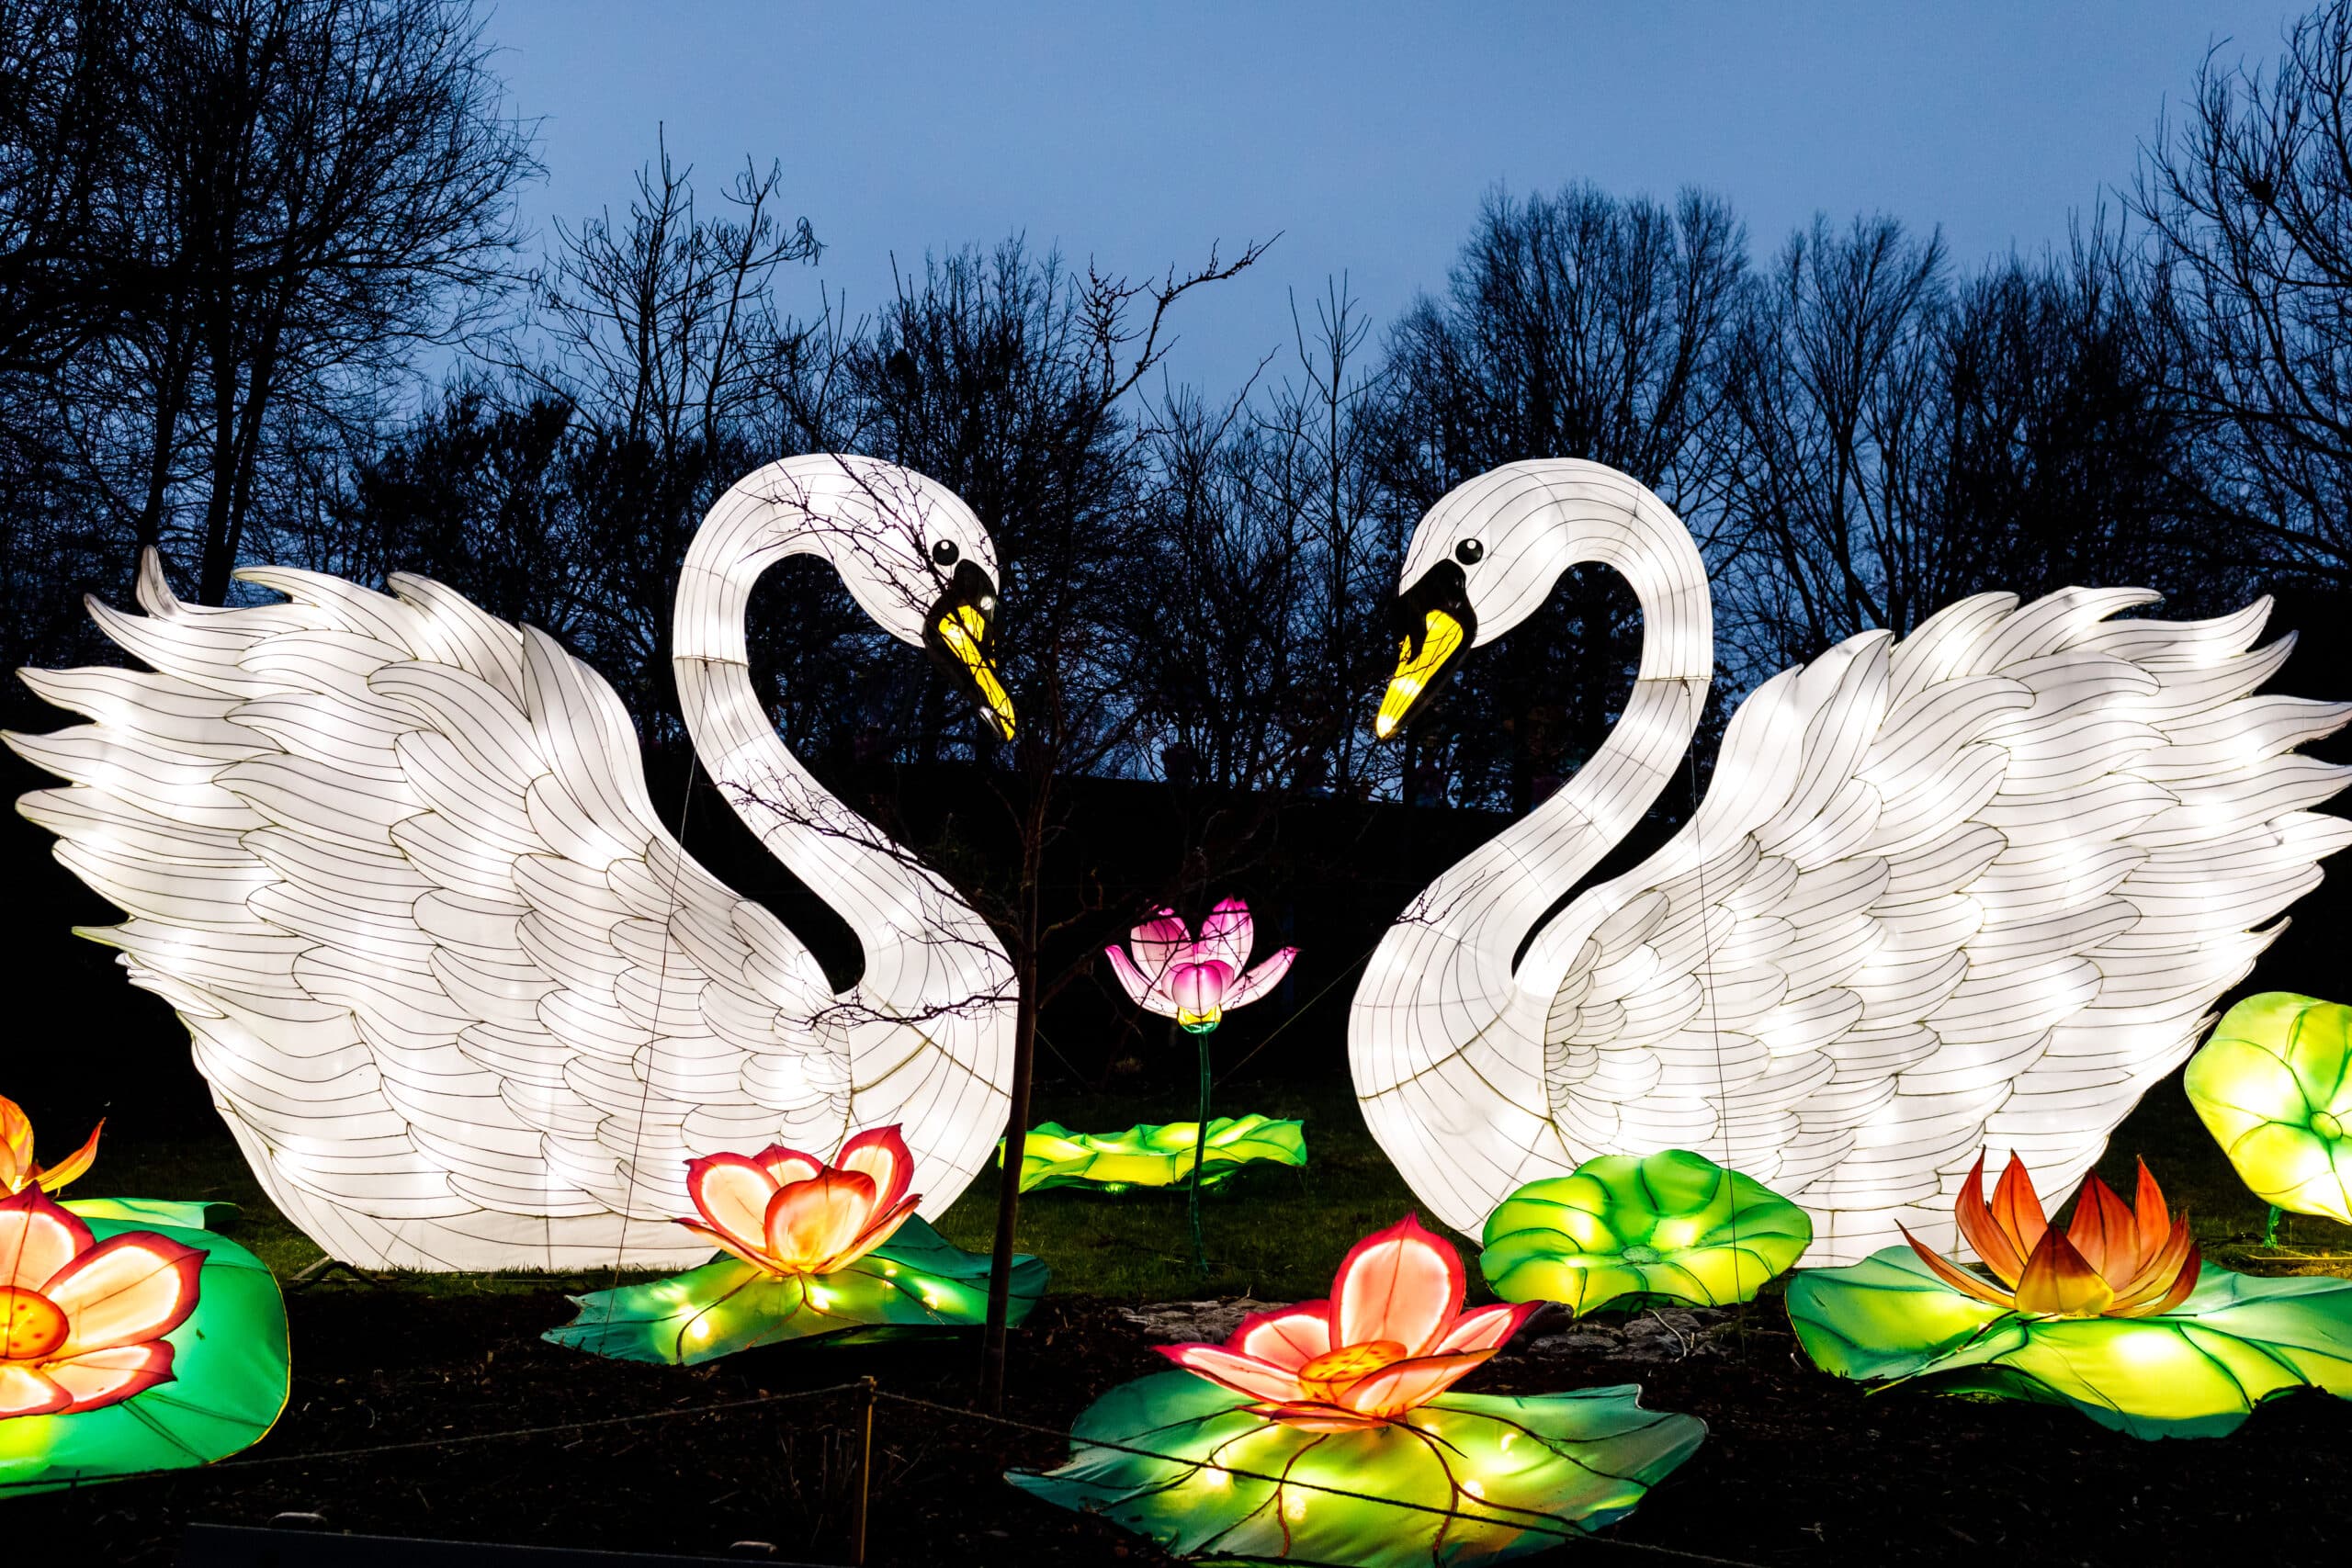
(1364, 132)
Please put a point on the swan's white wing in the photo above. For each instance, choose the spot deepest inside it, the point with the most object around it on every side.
(1976, 888)
(461, 996)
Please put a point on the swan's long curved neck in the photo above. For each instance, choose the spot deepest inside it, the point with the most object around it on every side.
(1495, 896)
(899, 909)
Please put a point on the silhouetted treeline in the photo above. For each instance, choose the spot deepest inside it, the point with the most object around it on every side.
(232, 232)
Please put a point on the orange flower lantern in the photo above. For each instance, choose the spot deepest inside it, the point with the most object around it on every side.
(2112, 1261)
(20, 1170)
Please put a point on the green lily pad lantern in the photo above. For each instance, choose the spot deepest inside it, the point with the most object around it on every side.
(2115, 1316)
(2274, 1086)
(1152, 1155)
(1672, 1226)
(814, 1251)
(1325, 1433)
(130, 1349)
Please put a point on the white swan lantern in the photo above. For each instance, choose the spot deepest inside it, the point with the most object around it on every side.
(462, 998)
(1974, 887)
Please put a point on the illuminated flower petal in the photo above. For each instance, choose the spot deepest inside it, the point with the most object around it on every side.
(1159, 943)
(1402, 1385)
(1262, 979)
(883, 1156)
(28, 1391)
(1226, 935)
(1958, 1278)
(811, 1221)
(2154, 1220)
(2016, 1208)
(129, 1287)
(1986, 1236)
(15, 1145)
(1243, 1374)
(877, 1231)
(2166, 1280)
(733, 1193)
(757, 1256)
(1487, 1327)
(785, 1165)
(1401, 1284)
(2059, 1281)
(103, 1377)
(2105, 1233)
(1198, 990)
(73, 1165)
(1287, 1337)
(37, 1239)
(1142, 991)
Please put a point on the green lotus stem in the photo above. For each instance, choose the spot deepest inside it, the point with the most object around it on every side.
(1200, 1156)
(2270, 1225)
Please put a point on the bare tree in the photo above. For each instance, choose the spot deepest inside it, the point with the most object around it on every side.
(1578, 325)
(1825, 397)
(2250, 199)
(318, 186)
(1902, 441)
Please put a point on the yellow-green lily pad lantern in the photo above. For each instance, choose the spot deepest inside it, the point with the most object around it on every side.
(2274, 1086)
(1672, 1226)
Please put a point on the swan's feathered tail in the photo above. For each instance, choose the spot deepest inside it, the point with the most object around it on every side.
(461, 995)
(1978, 887)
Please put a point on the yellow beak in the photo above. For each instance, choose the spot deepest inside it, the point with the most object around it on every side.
(1440, 640)
(961, 630)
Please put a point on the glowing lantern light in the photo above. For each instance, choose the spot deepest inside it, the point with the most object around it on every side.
(460, 994)
(2113, 1261)
(1675, 1226)
(787, 1213)
(2274, 1086)
(1194, 980)
(124, 1351)
(1975, 884)
(815, 1249)
(2115, 1315)
(1297, 1432)
(1155, 1156)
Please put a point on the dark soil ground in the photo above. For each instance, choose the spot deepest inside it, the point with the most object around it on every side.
(1798, 1467)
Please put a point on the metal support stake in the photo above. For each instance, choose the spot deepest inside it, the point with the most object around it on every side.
(865, 1480)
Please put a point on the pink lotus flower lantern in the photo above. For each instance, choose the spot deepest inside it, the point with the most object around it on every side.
(1195, 979)
(83, 1321)
(1392, 1337)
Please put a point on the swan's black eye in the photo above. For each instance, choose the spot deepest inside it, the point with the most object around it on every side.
(945, 552)
(1468, 551)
